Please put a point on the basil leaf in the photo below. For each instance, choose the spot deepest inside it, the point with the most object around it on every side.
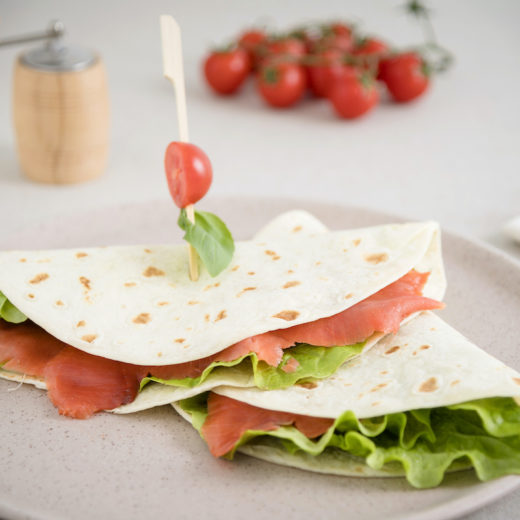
(9, 312)
(211, 239)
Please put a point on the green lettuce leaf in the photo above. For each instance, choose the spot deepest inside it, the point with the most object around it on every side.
(314, 363)
(211, 239)
(484, 434)
(9, 312)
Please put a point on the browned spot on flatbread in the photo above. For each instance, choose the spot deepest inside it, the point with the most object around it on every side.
(59, 303)
(276, 257)
(433, 328)
(345, 250)
(290, 271)
(193, 302)
(162, 304)
(360, 396)
(251, 273)
(89, 338)
(208, 287)
(287, 315)
(425, 347)
(269, 252)
(206, 317)
(235, 268)
(376, 258)
(391, 350)
(430, 385)
(152, 271)
(310, 385)
(375, 403)
(81, 254)
(130, 284)
(39, 278)
(221, 315)
(159, 354)
(180, 340)
(81, 323)
(516, 380)
(244, 290)
(85, 282)
(23, 260)
(296, 229)
(348, 296)
(318, 263)
(292, 283)
(383, 372)
(356, 242)
(455, 383)
(378, 387)
(142, 318)
(146, 250)
(30, 296)
(347, 384)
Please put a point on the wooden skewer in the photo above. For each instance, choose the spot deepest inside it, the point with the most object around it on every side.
(173, 70)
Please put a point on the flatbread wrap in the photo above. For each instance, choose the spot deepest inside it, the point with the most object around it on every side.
(418, 404)
(296, 302)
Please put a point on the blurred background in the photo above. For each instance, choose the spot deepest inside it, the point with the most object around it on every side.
(452, 156)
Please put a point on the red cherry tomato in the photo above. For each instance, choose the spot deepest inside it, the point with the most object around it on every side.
(251, 41)
(282, 84)
(188, 172)
(328, 69)
(226, 71)
(337, 36)
(369, 47)
(353, 96)
(293, 47)
(405, 75)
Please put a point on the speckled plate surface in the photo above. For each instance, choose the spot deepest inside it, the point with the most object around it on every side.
(153, 465)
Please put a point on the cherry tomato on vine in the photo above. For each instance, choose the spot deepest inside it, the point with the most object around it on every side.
(370, 46)
(188, 172)
(337, 36)
(281, 84)
(353, 95)
(328, 68)
(291, 46)
(225, 71)
(251, 41)
(405, 75)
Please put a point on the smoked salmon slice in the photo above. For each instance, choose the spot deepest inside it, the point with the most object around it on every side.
(382, 312)
(81, 384)
(228, 419)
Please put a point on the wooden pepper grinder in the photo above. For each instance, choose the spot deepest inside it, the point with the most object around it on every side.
(60, 110)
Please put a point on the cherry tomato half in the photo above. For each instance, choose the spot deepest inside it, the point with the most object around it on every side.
(405, 75)
(225, 71)
(188, 172)
(353, 95)
(282, 84)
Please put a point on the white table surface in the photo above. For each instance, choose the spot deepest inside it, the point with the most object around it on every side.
(453, 156)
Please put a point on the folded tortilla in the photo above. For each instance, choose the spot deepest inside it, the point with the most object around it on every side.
(455, 397)
(134, 304)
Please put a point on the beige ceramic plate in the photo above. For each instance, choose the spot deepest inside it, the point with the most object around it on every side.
(153, 465)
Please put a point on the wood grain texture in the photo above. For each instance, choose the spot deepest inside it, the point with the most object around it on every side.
(61, 122)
